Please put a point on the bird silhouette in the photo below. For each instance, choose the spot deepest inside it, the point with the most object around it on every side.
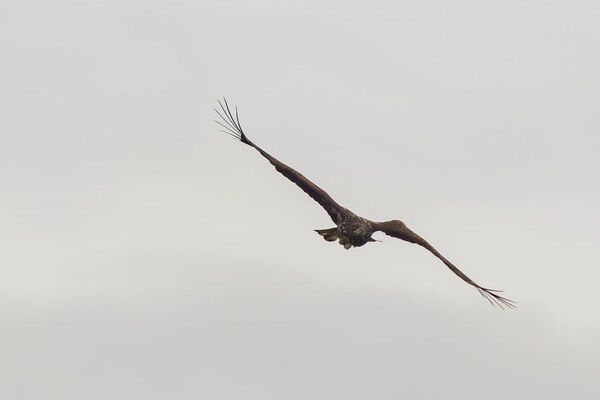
(351, 230)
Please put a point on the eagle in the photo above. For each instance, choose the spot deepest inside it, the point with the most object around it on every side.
(351, 230)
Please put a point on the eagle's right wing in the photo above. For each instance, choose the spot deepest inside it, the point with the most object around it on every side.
(399, 230)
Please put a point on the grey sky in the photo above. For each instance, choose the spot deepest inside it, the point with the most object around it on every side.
(146, 256)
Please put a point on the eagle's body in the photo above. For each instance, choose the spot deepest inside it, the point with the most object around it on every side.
(351, 230)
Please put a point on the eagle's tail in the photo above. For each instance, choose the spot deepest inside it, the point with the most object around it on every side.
(328, 234)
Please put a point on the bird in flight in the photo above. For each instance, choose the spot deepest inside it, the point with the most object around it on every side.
(351, 230)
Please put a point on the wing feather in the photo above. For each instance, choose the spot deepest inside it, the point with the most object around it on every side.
(399, 230)
(231, 125)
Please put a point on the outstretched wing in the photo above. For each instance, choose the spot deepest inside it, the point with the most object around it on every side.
(399, 230)
(231, 125)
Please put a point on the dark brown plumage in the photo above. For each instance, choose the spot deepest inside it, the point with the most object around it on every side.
(351, 230)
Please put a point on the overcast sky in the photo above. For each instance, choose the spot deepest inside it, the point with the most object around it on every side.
(144, 255)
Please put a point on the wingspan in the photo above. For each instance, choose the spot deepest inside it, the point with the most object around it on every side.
(231, 125)
(399, 230)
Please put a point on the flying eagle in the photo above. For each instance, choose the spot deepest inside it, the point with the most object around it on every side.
(351, 230)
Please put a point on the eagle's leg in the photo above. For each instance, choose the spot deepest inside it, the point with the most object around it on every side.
(328, 234)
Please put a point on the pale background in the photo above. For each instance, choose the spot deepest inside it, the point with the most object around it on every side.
(143, 255)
